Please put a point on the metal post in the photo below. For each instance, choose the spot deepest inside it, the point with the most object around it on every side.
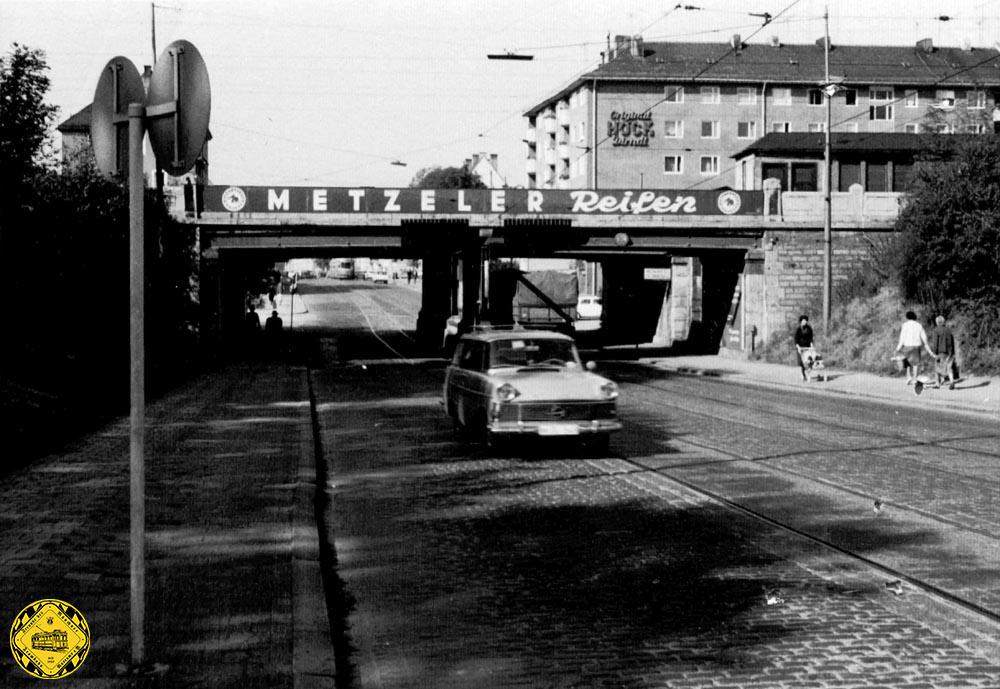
(137, 419)
(827, 219)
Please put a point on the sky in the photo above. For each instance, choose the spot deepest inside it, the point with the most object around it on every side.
(354, 93)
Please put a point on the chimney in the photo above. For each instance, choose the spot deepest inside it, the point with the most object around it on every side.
(493, 159)
(967, 45)
(736, 42)
(475, 159)
(636, 48)
(147, 76)
(925, 45)
(621, 47)
(775, 41)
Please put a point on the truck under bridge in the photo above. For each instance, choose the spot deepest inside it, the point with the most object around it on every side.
(706, 241)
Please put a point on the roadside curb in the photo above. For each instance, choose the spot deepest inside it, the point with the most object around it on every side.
(313, 663)
(748, 378)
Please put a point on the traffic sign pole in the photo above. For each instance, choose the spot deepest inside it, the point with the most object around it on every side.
(137, 419)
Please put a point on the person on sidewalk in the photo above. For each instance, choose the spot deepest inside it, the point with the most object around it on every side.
(943, 343)
(803, 340)
(912, 343)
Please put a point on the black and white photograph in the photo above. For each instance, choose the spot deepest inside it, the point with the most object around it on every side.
(428, 344)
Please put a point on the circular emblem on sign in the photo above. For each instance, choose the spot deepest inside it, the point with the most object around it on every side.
(729, 202)
(233, 199)
(50, 639)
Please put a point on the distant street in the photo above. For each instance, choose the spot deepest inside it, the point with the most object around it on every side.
(746, 537)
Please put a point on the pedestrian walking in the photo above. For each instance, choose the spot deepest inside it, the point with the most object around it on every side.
(943, 343)
(912, 343)
(273, 325)
(252, 320)
(803, 340)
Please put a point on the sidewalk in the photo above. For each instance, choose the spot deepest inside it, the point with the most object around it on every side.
(975, 394)
(234, 595)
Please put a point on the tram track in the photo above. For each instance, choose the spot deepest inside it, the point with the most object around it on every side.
(899, 441)
(927, 587)
(636, 466)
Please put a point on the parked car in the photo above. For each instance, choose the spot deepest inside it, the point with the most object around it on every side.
(508, 383)
(380, 276)
(588, 312)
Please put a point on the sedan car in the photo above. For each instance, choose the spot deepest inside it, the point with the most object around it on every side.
(508, 383)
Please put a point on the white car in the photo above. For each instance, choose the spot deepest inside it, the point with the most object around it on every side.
(509, 383)
(588, 313)
(380, 276)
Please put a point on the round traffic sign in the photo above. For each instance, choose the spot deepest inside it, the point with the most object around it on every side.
(179, 105)
(119, 85)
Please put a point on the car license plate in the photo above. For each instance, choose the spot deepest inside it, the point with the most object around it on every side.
(557, 429)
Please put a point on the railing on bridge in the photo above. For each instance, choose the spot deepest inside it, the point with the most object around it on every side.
(859, 208)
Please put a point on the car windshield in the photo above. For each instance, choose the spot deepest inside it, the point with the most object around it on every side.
(529, 352)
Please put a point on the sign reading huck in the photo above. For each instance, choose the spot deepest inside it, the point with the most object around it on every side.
(235, 199)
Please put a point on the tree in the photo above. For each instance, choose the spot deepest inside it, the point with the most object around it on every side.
(25, 119)
(446, 178)
(950, 235)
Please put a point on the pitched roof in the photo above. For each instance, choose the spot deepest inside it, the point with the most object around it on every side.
(811, 143)
(799, 64)
(79, 122)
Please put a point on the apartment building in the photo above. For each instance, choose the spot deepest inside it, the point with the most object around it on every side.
(672, 115)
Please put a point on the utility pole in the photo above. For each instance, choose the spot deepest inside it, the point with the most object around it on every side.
(829, 90)
(152, 13)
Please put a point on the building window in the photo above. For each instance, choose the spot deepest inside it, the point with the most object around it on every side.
(673, 165)
(817, 126)
(746, 95)
(815, 97)
(942, 128)
(746, 130)
(911, 99)
(945, 99)
(850, 97)
(976, 100)
(782, 96)
(711, 94)
(804, 177)
(673, 94)
(673, 129)
(782, 127)
(849, 127)
(881, 104)
(710, 165)
(709, 129)
(977, 128)
(912, 128)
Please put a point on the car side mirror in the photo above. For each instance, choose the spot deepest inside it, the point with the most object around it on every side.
(591, 366)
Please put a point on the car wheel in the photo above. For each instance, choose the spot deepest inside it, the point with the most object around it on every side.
(599, 443)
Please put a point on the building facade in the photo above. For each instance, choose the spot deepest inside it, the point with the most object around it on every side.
(672, 115)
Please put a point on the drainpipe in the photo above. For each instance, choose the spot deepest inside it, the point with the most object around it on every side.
(763, 124)
(593, 135)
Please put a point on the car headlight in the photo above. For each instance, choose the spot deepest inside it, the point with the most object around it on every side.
(507, 392)
(609, 390)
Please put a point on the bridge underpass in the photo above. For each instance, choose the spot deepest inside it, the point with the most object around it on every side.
(712, 242)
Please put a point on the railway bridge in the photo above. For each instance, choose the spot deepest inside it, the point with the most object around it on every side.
(689, 268)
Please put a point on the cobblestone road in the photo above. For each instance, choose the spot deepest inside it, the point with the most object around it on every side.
(563, 570)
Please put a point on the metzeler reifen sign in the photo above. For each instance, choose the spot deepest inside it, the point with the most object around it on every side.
(236, 199)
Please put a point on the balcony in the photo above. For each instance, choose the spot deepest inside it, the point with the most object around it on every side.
(564, 151)
(529, 136)
(530, 166)
(550, 156)
(549, 123)
(562, 115)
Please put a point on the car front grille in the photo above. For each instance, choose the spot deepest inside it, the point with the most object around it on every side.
(556, 411)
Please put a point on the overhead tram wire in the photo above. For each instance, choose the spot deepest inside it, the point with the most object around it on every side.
(939, 82)
(708, 67)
